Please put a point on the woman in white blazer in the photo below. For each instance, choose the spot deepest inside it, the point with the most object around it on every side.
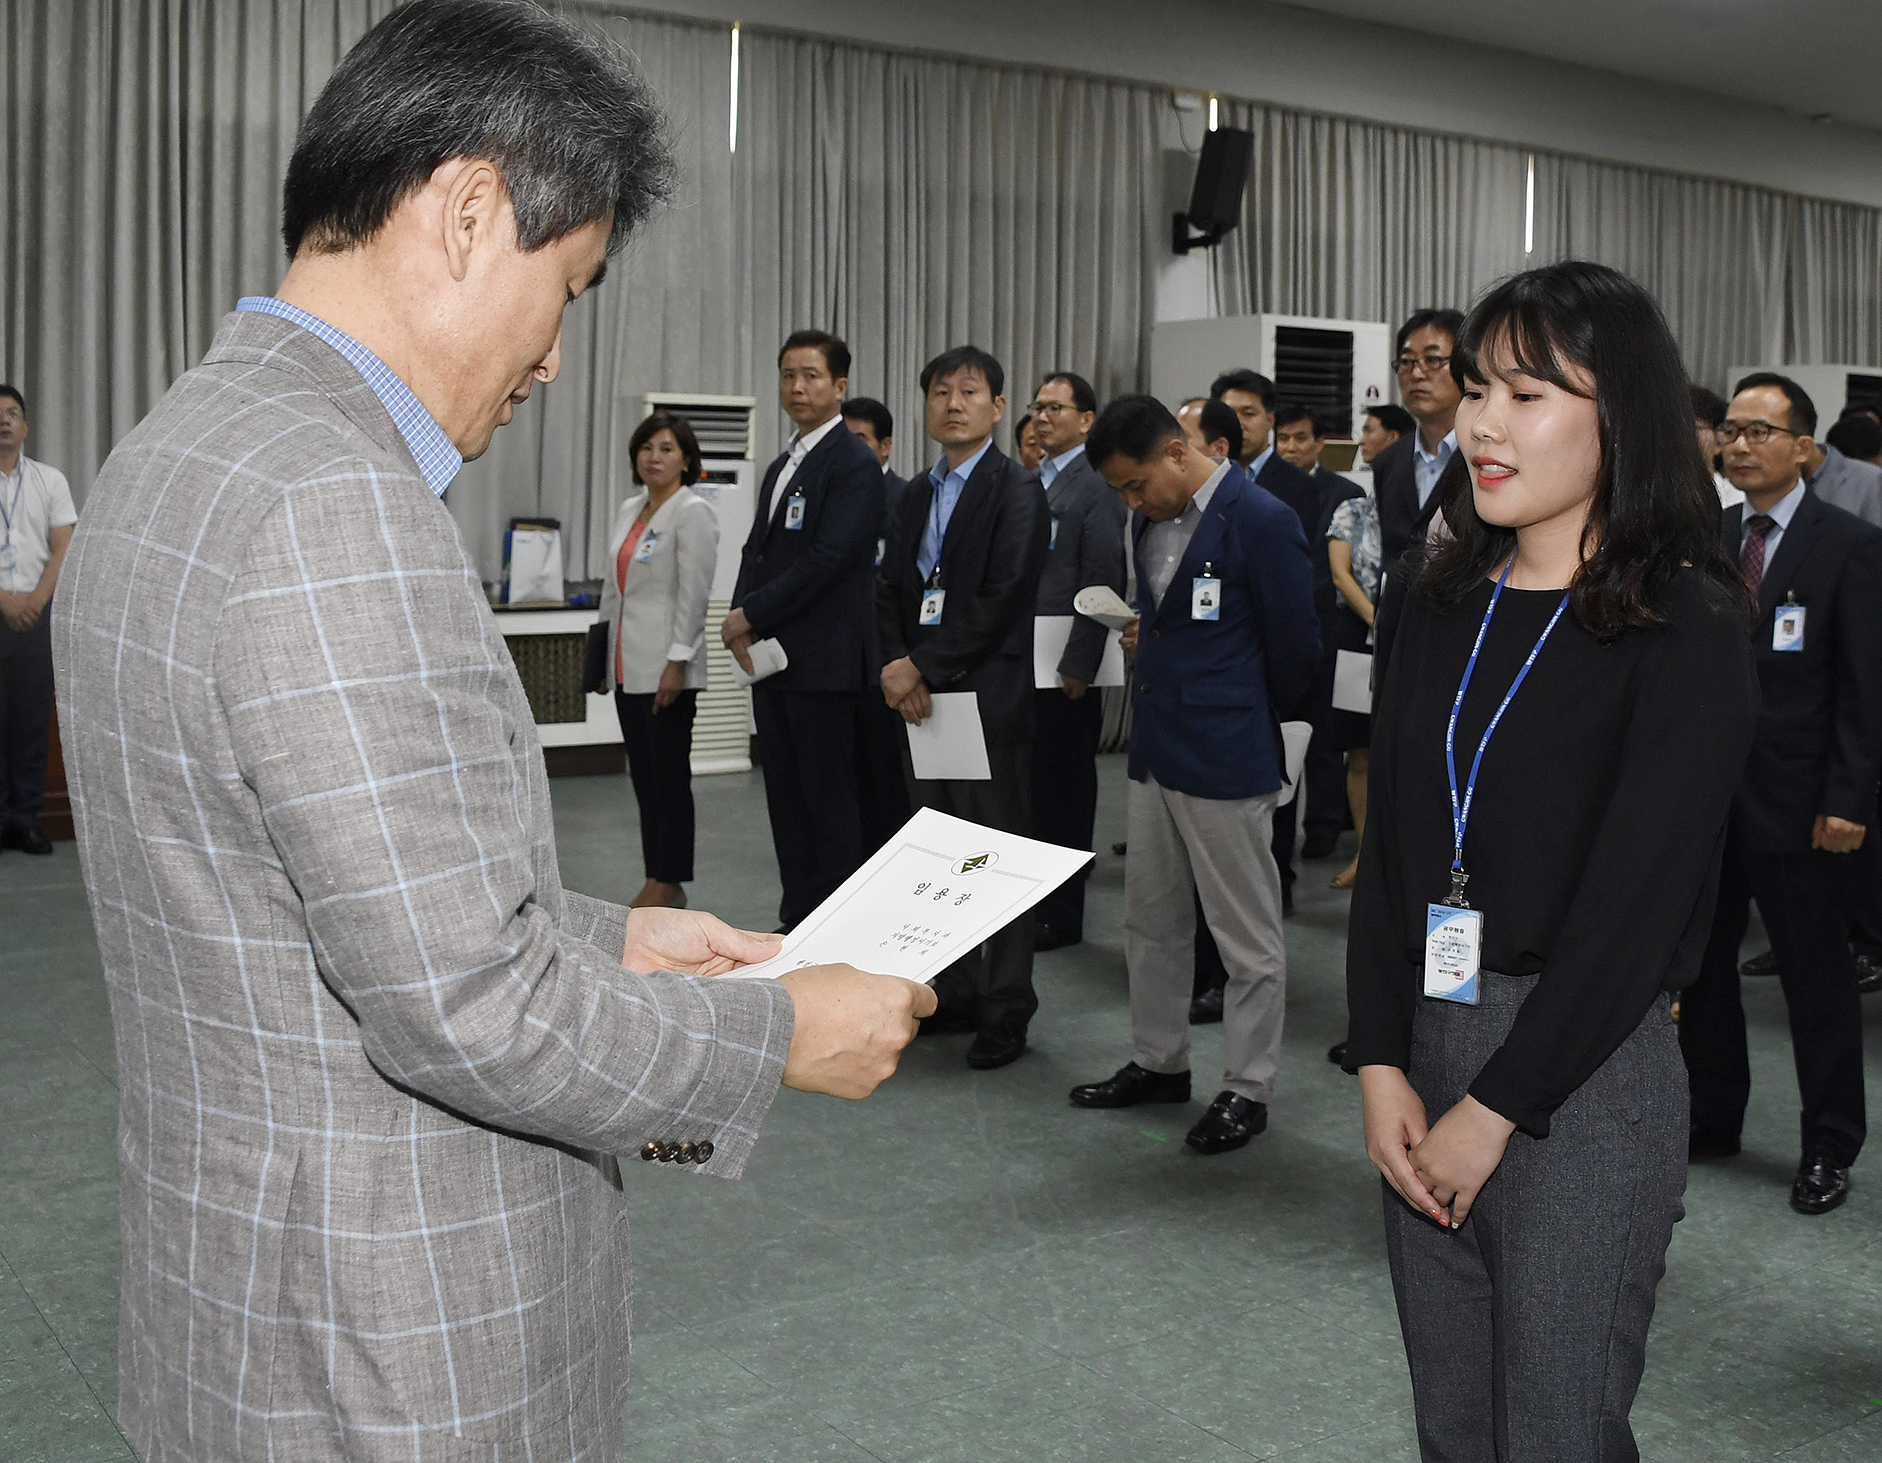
(662, 551)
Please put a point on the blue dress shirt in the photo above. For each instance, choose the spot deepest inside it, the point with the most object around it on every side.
(1781, 514)
(438, 461)
(1053, 466)
(1428, 467)
(947, 492)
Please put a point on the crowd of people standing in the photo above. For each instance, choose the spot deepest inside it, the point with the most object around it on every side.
(1537, 504)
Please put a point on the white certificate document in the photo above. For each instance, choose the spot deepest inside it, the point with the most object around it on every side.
(928, 896)
(950, 745)
(1049, 635)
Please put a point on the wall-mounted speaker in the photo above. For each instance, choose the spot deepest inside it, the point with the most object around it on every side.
(1215, 202)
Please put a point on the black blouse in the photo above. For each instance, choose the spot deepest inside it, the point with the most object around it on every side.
(1594, 840)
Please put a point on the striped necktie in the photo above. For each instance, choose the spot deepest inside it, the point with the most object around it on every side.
(1757, 528)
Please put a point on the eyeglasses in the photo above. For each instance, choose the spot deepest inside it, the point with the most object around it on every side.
(1049, 408)
(1432, 364)
(1756, 433)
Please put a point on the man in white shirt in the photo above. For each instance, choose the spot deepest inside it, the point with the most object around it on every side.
(36, 518)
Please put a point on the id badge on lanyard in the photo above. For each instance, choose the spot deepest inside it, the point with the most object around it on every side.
(1205, 595)
(1453, 930)
(643, 551)
(1787, 626)
(794, 512)
(931, 602)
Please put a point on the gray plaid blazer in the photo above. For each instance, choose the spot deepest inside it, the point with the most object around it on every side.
(369, 1049)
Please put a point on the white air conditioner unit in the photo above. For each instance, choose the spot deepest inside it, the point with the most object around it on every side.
(1338, 367)
(1832, 389)
(723, 425)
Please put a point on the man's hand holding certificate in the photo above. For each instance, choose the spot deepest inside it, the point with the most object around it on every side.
(927, 897)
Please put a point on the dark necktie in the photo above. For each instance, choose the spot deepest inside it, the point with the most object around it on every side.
(1757, 529)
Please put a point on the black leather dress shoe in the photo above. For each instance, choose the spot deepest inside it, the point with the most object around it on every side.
(1336, 1054)
(1760, 965)
(1044, 937)
(27, 839)
(1820, 1185)
(1130, 1085)
(1230, 1122)
(1706, 1143)
(1318, 848)
(1868, 973)
(946, 1022)
(1206, 1007)
(1287, 902)
(995, 1049)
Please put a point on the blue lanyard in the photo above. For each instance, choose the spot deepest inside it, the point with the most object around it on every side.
(18, 488)
(1460, 812)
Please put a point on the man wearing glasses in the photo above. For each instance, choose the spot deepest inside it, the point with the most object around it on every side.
(1807, 797)
(1405, 473)
(1086, 548)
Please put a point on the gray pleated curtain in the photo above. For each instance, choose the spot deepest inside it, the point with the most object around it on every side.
(909, 202)
(1358, 220)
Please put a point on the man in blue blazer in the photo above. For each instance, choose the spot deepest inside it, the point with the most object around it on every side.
(1226, 637)
(807, 579)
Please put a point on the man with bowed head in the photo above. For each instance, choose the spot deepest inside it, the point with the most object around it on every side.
(1226, 635)
(375, 1061)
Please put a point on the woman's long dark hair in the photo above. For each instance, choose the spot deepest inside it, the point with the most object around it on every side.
(1655, 508)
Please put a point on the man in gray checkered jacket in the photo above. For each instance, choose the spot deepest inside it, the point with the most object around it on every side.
(375, 1061)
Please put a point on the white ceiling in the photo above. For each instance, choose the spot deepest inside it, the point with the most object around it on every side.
(1806, 56)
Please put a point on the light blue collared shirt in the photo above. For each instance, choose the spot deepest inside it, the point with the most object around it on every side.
(1254, 468)
(438, 461)
(1780, 515)
(1428, 467)
(947, 492)
(1053, 466)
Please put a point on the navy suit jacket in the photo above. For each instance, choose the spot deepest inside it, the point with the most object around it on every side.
(1211, 693)
(1395, 488)
(1819, 735)
(813, 588)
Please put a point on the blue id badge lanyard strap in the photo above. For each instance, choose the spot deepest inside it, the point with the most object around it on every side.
(1454, 931)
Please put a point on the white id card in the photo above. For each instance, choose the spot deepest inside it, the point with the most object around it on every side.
(931, 603)
(882, 547)
(1205, 599)
(1787, 630)
(1053, 542)
(794, 512)
(643, 551)
(1453, 949)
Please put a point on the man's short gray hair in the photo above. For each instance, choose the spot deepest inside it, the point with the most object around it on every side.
(562, 114)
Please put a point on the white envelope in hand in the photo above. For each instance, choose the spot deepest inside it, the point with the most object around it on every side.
(950, 745)
(1049, 636)
(1104, 604)
(1352, 682)
(767, 659)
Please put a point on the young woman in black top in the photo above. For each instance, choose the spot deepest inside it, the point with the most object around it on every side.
(1573, 660)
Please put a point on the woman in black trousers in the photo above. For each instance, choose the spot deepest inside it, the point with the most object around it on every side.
(662, 550)
(1568, 706)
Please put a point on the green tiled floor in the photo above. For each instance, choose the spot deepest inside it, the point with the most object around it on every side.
(966, 1268)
